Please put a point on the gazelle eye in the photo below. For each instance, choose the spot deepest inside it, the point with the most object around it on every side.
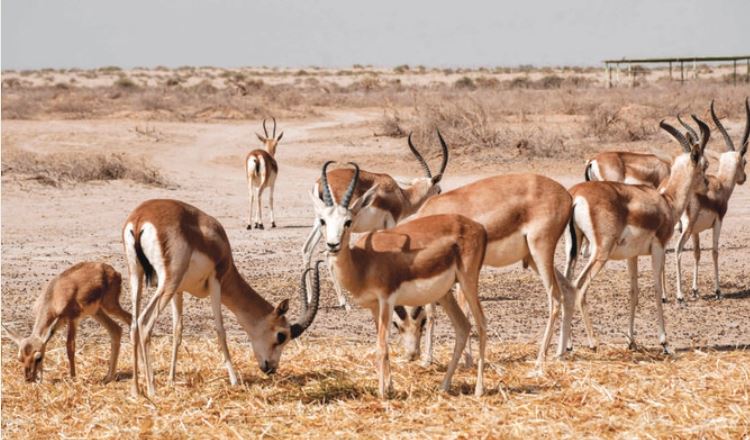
(280, 338)
(348, 223)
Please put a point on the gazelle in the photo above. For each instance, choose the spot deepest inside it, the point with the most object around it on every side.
(627, 167)
(183, 249)
(524, 215)
(390, 204)
(85, 289)
(624, 221)
(707, 210)
(261, 170)
(414, 263)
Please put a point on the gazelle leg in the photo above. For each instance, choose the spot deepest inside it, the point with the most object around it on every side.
(678, 258)
(385, 385)
(270, 203)
(115, 336)
(177, 301)
(462, 328)
(337, 287)
(715, 256)
(696, 260)
(215, 294)
(251, 197)
(593, 267)
(136, 286)
(70, 346)
(429, 334)
(633, 272)
(657, 264)
(468, 285)
(259, 201)
(464, 305)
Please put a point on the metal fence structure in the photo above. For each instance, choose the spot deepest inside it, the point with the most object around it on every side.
(615, 65)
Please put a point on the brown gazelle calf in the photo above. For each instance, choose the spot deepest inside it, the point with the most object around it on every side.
(183, 249)
(261, 170)
(86, 289)
(624, 221)
(414, 263)
(707, 210)
(390, 204)
(524, 215)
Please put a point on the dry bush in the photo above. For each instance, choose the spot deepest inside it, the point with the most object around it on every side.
(57, 169)
(391, 125)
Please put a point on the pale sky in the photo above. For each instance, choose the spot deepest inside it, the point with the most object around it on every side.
(339, 33)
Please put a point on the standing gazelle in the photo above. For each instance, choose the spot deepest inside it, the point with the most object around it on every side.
(390, 204)
(623, 221)
(261, 170)
(707, 210)
(414, 263)
(188, 251)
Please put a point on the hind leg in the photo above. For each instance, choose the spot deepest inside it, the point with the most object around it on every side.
(633, 272)
(430, 311)
(468, 283)
(657, 263)
(715, 257)
(259, 201)
(251, 201)
(115, 336)
(462, 328)
(464, 305)
(176, 333)
(70, 346)
(270, 201)
(593, 267)
(696, 260)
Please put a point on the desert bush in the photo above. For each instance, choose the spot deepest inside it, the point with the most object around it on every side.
(520, 82)
(487, 82)
(109, 69)
(125, 83)
(609, 123)
(465, 83)
(550, 82)
(57, 169)
(391, 125)
(403, 68)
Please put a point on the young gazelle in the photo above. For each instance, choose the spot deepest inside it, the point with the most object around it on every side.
(261, 170)
(707, 210)
(414, 263)
(187, 250)
(390, 204)
(524, 215)
(624, 221)
(85, 289)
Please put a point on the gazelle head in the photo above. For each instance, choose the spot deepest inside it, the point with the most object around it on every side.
(690, 166)
(270, 141)
(428, 186)
(410, 325)
(732, 158)
(31, 350)
(274, 332)
(336, 218)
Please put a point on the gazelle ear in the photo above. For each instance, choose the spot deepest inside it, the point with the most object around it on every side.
(261, 138)
(283, 307)
(51, 330)
(365, 200)
(280, 136)
(318, 204)
(15, 337)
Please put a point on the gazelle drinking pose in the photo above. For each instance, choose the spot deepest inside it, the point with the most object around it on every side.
(183, 249)
(86, 289)
(414, 263)
(261, 170)
(390, 204)
(524, 215)
(624, 221)
(707, 210)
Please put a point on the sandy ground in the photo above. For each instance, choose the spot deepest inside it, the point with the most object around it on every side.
(47, 229)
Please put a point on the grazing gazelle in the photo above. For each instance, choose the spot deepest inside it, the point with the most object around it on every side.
(261, 170)
(623, 221)
(86, 289)
(707, 210)
(184, 249)
(413, 264)
(390, 204)
(524, 215)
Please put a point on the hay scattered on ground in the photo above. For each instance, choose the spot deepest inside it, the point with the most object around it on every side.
(328, 388)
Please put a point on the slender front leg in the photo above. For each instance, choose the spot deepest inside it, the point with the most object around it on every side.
(429, 334)
(176, 333)
(461, 300)
(462, 328)
(136, 284)
(696, 260)
(70, 346)
(633, 272)
(678, 257)
(657, 265)
(215, 293)
(337, 286)
(715, 256)
(469, 287)
(385, 385)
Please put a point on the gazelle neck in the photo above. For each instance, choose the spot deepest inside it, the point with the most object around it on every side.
(271, 148)
(414, 197)
(348, 271)
(678, 188)
(728, 163)
(246, 304)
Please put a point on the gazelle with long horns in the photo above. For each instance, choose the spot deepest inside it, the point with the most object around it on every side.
(706, 211)
(183, 249)
(261, 170)
(390, 204)
(623, 221)
(414, 263)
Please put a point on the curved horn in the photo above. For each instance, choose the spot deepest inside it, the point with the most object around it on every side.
(274, 127)
(309, 310)
(677, 135)
(327, 198)
(350, 189)
(265, 131)
(722, 130)
(705, 132)
(746, 135)
(444, 146)
(419, 157)
(692, 135)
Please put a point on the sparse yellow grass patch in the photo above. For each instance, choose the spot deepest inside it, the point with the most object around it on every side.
(327, 388)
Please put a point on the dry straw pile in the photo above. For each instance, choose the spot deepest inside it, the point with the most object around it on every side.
(327, 388)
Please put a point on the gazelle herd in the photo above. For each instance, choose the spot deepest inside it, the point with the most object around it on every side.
(415, 244)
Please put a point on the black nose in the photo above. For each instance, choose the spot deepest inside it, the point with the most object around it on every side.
(266, 368)
(333, 246)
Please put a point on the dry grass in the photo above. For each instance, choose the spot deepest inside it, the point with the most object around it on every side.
(327, 389)
(57, 169)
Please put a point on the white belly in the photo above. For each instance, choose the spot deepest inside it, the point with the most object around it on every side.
(424, 291)
(633, 241)
(196, 277)
(506, 251)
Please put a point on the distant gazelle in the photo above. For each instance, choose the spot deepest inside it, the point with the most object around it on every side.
(391, 202)
(261, 170)
(85, 289)
(414, 263)
(707, 210)
(183, 249)
(623, 221)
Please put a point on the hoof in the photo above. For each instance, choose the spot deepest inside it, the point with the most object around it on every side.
(681, 302)
(666, 350)
(593, 348)
(569, 349)
(664, 301)
(107, 379)
(632, 346)
(249, 227)
(425, 363)
(717, 295)
(273, 224)
(695, 293)
(260, 226)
